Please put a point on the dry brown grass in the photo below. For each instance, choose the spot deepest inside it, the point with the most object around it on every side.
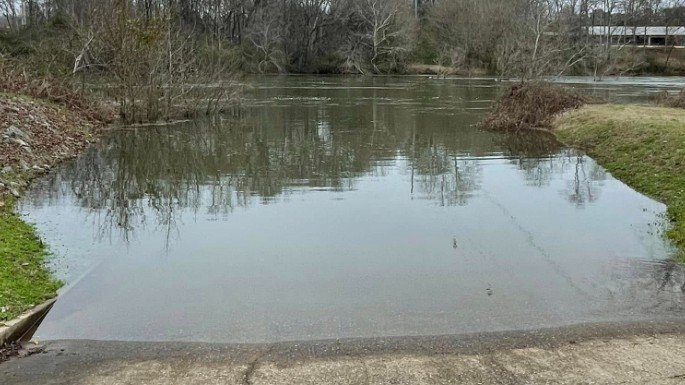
(51, 89)
(674, 101)
(57, 120)
(53, 132)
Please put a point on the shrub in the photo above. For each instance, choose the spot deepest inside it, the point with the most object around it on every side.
(675, 101)
(531, 106)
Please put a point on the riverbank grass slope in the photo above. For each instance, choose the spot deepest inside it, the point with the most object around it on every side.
(37, 131)
(642, 146)
(24, 280)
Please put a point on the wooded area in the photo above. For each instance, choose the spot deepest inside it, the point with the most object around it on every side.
(507, 37)
(156, 50)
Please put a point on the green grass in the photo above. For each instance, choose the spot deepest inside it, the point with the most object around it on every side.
(642, 146)
(24, 278)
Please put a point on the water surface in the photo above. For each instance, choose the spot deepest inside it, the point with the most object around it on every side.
(345, 207)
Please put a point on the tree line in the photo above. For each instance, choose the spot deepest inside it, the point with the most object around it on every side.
(509, 37)
(156, 53)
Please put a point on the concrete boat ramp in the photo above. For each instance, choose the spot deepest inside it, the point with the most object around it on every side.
(635, 353)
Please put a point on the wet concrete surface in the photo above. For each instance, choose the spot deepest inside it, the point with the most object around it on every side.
(631, 353)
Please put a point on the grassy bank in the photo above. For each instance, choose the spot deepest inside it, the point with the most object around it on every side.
(41, 124)
(24, 280)
(642, 146)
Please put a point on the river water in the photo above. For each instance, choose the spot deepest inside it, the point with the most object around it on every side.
(346, 207)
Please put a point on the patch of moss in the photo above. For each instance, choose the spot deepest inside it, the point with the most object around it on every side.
(640, 145)
(24, 278)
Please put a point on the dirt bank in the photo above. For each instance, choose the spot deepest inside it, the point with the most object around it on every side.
(439, 70)
(38, 134)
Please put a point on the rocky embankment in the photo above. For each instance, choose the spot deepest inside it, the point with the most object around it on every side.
(35, 135)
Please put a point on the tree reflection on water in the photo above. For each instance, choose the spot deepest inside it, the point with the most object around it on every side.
(217, 166)
(148, 177)
(540, 157)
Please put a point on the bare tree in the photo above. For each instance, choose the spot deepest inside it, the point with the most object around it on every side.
(9, 12)
(382, 35)
(522, 38)
(266, 40)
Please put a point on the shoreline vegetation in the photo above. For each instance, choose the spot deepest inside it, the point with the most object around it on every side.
(41, 124)
(148, 56)
(643, 146)
(25, 281)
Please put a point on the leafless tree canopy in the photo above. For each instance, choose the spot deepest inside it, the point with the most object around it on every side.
(525, 38)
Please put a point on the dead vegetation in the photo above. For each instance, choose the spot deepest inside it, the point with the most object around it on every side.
(531, 106)
(53, 90)
(35, 133)
(666, 99)
(42, 121)
(18, 349)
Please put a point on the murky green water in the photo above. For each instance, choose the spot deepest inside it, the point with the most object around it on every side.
(345, 207)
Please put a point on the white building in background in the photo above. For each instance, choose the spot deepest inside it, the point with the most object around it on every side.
(643, 36)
